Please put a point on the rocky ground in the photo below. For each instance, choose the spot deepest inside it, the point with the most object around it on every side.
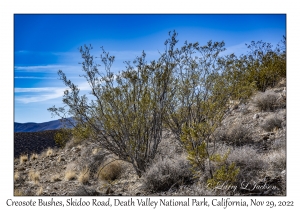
(257, 147)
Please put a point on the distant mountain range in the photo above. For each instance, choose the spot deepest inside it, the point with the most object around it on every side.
(36, 127)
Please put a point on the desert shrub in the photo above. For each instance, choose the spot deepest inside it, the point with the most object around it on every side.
(111, 170)
(70, 175)
(23, 159)
(266, 65)
(185, 87)
(224, 174)
(34, 156)
(136, 95)
(276, 159)
(84, 176)
(249, 162)
(62, 137)
(266, 101)
(271, 122)
(238, 135)
(167, 173)
(34, 176)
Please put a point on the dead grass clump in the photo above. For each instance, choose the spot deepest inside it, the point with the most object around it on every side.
(70, 175)
(271, 122)
(238, 135)
(55, 178)
(249, 161)
(18, 192)
(34, 156)
(84, 176)
(276, 159)
(266, 101)
(23, 159)
(39, 191)
(168, 173)
(34, 176)
(16, 176)
(110, 171)
(49, 152)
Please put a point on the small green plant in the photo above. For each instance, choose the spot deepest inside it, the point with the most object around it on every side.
(202, 157)
(225, 174)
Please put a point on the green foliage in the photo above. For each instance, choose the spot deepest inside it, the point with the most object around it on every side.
(225, 174)
(186, 90)
(202, 158)
(63, 136)
(265, 65)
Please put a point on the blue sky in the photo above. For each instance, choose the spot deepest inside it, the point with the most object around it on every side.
(43, 44)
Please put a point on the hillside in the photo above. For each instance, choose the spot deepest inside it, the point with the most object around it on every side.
(36, 127)
(254, 131)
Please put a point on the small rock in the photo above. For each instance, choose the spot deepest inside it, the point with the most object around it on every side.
(256, 116)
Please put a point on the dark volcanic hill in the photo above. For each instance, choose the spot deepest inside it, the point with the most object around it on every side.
(35, 127)
(33, 142)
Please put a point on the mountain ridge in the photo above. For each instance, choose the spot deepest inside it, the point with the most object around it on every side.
(37, 127)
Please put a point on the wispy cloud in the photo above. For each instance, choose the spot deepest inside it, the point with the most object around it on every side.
(44, 93)
(35, 77)
(46, 68)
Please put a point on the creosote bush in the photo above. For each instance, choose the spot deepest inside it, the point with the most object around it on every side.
(168, 173)
(186, 90)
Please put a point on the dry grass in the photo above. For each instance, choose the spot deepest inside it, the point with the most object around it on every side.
(39, 191)
(249, 161)
(84, 176)
(34, 176)
(70, 175)
(23, 159)
(95, 151)
(55, 178)
(18, 192)
(49, 152)
(110, 171)
(276, 159)
(34, 156)
(238, 135)
(16, 176)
